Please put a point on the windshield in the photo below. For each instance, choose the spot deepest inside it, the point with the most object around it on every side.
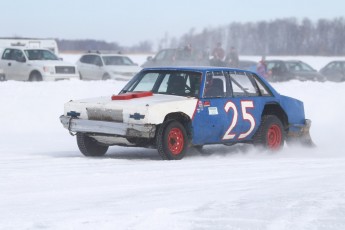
(40, 55)
(117, 60)
(180, 83)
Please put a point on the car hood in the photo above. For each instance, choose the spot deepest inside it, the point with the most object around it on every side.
(122, 72)
(123, 68)
(51, 63)
(145, 110)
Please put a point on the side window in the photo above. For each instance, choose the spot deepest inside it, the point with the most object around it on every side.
(243, 85)
(215, 85)
(160, 55)
(126, 61)
(87, 59)
(17, 54)
(271, 65)
(7, 55)
(181, 83)
(264, 91)
(98, 61)
(337, 66)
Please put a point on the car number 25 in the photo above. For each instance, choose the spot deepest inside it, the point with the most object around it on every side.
(245, 116)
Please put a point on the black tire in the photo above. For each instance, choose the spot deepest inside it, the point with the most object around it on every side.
(2, 77)
(35, 76)
(89, 146)
(106, 76)
(271, 134)
(172, 141)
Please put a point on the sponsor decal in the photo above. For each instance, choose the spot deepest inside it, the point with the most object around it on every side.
(201, 106)
(212, 111)
(207, 103)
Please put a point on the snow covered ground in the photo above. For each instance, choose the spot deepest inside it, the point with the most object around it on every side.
(45, 183)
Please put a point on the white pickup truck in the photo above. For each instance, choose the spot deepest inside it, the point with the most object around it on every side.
(35, 64)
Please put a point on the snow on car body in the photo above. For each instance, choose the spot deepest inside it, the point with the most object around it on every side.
(172, 109)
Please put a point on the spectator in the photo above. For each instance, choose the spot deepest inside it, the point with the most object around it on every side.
(261, 68)
(218, 55)
(218, 52)
(232, 58)
(188, 50)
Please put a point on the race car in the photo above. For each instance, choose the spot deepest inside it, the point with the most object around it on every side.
(174, 109)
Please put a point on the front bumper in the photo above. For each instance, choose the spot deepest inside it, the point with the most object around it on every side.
(59, 77)
(108, 128)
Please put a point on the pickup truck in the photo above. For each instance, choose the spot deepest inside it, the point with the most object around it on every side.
(33, 64)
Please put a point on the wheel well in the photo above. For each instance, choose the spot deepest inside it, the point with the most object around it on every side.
(275, 109)
(183, 118)
(35, 72)
(105, 75)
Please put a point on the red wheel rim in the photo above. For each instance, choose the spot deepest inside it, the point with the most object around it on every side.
(175, 141)
(274, 137)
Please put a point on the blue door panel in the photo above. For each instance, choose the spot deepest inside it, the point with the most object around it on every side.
(211, 122)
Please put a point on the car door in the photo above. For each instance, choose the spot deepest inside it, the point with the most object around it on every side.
(89, 68)
(14, 65)
(233, 116)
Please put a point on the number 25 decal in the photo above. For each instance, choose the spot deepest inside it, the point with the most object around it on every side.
(245, 115)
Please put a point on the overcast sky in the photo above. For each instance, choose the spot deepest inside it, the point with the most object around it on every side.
(128, 22)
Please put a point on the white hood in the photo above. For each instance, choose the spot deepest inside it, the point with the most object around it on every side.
(51, 63)
(148, 110)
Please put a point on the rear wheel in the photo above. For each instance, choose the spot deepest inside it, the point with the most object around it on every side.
(89, 146)
(270, 134)
(172, 141)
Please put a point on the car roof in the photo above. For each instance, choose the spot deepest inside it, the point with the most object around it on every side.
(210, 68)
(23, 48)
(271, 60)
(195, 68)
(105, 54)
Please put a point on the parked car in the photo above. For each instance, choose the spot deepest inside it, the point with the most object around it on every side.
(99, 66)
(31, 64)
(334, 71)
(247, 65)
(174, 109)
(286, 70)
(178, 57)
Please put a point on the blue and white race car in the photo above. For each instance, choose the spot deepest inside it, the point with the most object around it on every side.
(174, 109)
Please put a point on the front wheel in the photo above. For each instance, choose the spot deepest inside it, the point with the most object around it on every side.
(89, 146)
(35, 77)
(271, 134)
(172, 141)
(106, 76)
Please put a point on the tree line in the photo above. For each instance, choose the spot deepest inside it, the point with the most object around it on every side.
(84, 45)
(276, 37)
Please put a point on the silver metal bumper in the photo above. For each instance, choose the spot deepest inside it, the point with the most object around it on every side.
(107, 127)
